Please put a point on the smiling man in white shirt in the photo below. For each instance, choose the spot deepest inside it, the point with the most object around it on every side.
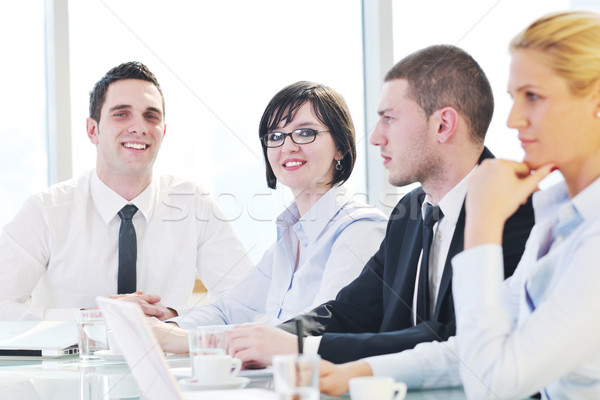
(62, 248)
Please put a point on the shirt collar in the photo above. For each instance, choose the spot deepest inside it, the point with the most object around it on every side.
(108, 202)
(452, 202)
(546, 202)
(586, 202)
(319, 215)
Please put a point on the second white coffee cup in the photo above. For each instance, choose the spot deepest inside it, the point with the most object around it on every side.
(215, 368)
(376, 387)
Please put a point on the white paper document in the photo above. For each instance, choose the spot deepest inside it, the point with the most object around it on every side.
(146, 359)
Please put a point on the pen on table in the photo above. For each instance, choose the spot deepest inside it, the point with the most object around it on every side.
(300, 334)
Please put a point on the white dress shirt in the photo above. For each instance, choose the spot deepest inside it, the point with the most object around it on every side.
(62, 247)
(443, 231)
(337, 236)
(503, 349)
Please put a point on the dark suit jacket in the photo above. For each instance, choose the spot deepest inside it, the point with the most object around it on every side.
(373, 314)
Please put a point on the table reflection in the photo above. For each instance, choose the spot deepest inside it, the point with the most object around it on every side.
(67, 379)
(70, 379)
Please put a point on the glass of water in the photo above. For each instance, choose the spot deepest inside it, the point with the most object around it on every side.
(296, 376)
(208, 340)
(92, 333)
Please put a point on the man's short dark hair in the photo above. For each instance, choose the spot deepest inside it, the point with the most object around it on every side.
(128, 70)
(328, 106)
(444, 75)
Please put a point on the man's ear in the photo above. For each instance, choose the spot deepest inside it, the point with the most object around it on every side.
(447, 123)
(92, 129)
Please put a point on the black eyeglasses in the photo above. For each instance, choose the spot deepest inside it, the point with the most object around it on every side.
(299, 136)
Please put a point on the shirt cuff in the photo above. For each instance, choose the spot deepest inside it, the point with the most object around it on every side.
(403, 367)
(311, 345)
(183, 322)
(477, 278)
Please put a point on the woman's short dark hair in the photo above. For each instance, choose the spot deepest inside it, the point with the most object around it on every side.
(330, 109)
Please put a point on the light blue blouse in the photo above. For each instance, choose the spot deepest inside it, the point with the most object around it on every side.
(536, 331)
(336, 237)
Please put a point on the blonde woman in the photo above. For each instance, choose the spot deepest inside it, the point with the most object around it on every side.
(538, 330)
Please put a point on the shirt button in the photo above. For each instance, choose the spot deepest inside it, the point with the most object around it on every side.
(567, 213)
(558, 239)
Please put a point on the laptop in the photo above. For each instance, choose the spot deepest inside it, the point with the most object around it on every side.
(37, 339)
(146, 359)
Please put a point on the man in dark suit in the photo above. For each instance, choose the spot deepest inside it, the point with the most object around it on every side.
(435, 108)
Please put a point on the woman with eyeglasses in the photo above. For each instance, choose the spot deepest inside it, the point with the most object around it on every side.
(324, 238)
(537, 331)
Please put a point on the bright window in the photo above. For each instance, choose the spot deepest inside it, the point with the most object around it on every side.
(483, 28)
(219, 63)
(23, 153)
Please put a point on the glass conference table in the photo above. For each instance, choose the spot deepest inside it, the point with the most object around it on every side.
(69, 379)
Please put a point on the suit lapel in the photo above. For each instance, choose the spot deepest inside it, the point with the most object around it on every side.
(456, 246)
(404, 248)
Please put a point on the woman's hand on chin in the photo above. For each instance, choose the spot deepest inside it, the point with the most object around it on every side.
(494, 193)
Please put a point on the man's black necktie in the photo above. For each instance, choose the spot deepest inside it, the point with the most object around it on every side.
(432, 215)
(127, 251)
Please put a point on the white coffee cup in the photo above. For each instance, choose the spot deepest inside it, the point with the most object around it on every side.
(215, 368)
(376, 387)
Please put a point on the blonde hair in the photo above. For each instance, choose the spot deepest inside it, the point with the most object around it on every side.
(570, 43)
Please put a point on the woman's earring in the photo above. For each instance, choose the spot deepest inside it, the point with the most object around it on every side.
(598, 114)
(338, 165)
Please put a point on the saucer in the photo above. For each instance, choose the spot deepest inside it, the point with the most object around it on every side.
(265, 373)
(235, 382)
(180, 373)
(258, 374)
(108, 355)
